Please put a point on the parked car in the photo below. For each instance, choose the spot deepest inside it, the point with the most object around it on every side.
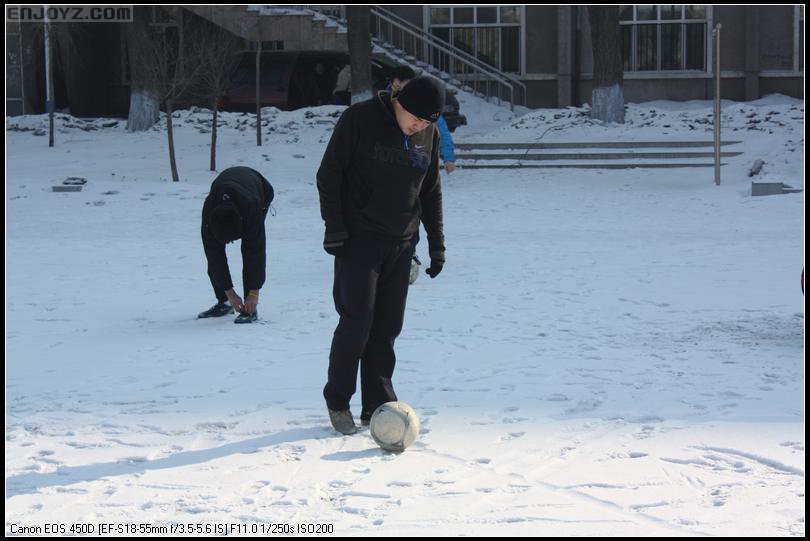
(295, 79)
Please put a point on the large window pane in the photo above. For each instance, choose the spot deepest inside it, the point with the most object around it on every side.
(627, 46)
(487, 46)
(646, 47)
(463, 16)
(671, 12)
(696, 47)
(487, 15)
(441, 59)
(625, 13)
(646, 13)
(439, 15)
(671, 46)
(510, 49)
(510, 14)
(464, 39)
(441, 33)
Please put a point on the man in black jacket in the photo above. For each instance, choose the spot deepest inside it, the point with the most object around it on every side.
(379, 176)
(236, 208)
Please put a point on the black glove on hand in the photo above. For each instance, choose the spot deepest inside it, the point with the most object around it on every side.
(435, 268)
(336, 247)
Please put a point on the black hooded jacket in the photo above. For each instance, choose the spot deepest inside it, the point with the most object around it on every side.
(252, 195)
(375, 179)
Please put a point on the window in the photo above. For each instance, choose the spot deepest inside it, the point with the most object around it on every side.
(663, 38)
(440, 15)
(487, 15)
(510, 14)
(489, 33)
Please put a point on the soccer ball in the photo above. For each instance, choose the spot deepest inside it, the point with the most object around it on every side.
(394, 426)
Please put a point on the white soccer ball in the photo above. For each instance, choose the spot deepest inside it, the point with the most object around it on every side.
(394, 426)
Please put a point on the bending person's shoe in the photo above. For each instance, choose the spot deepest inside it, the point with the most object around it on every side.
(218, 310)
(246, 318)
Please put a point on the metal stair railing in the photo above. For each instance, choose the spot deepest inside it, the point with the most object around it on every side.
(434, 51)
(417, 46)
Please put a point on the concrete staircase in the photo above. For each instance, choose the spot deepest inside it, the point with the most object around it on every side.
(584, 155)
(322, 28)
(299, 29)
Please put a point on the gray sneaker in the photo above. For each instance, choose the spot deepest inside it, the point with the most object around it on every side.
(342, 421)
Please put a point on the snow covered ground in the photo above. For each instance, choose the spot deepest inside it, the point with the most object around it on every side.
(605, 353)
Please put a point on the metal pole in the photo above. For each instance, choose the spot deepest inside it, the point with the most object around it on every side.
(258, 92)
(49, 104)
(716, 34)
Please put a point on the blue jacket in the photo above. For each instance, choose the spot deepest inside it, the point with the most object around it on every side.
(445, 141)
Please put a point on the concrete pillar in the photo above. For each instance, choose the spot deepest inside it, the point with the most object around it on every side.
(565, 55)
(752, 52)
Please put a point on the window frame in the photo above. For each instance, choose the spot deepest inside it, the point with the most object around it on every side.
(635, 23)
(475, 25)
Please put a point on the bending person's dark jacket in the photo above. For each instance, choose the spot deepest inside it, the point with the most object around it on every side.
(375, 179)
(252, 195)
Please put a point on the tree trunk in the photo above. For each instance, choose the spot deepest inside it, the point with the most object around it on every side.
(608, 68)
(144, 106)
(172, 160)
(144, 110)
(214, 139)
(359, 37)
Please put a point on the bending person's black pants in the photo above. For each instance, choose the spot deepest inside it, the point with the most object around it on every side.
(370, 289)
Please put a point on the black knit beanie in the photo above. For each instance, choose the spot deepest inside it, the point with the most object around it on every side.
(423, 97)
(225, 222)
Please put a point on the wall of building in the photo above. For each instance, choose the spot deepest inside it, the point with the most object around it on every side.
(776, 37)
(753, 39)
(558, 58)
(15, 104)
(541, 39)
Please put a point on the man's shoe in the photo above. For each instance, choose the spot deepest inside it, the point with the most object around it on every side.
(218, 310)
(343, 422)
(246, 318)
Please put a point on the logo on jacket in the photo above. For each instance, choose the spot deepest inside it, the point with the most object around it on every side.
(417, 158)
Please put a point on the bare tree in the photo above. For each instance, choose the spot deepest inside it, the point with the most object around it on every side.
(217, 51)
(608, 68)
(169, 69)
(357, 21)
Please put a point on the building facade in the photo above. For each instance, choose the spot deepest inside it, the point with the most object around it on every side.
(668, 51)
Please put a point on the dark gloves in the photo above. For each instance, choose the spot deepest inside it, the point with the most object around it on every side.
(336, 244)
(436, 266)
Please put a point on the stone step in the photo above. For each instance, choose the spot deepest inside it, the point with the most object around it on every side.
(599, 144)
(585, 166)
(593, 156)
